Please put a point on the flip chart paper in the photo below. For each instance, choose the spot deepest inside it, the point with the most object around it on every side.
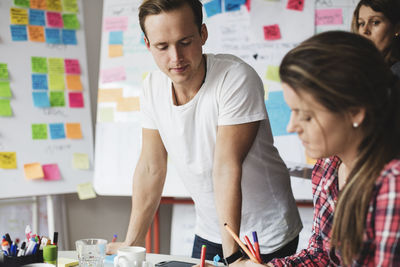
(5, 90)
(53, 36)
(3, 71)
(39, 64)
(56, 82)
(36, 17)
(54, 5)
(115, 50)
(19, 16)
(56, 65)
(33, 171)
(86, 191)
(57, 131)
(328, 16)
(18, 33)
(70, 6)
(69, 37)
(40, 99)
(72, 66)
(51, 172)
(74, 82)
(71, 21)
(272, 32)
(8, 160)
(76, 100)
(39, 81)
(39, 131)
(128, 104)
(57, 99)
(73, 130)
(36, 33)
(5, 108)
(80, 161)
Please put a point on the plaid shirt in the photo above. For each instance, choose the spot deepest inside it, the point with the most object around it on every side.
(381, 246)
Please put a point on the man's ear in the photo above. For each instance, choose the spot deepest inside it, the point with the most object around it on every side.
(146, 41)
(204, 33)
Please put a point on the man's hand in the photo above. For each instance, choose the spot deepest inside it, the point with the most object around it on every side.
(114, 246)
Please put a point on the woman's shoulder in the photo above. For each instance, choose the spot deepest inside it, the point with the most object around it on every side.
(390, 173)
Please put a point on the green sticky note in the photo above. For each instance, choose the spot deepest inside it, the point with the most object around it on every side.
(273, 73)
(39, 64)
(80, 161)
(56, 65)
(39, 131)
(3, 71)
(70, 6)
(71, 21)
(5, 108)
(22, 3)
(57, 99)
(5, 90)
(56, 82)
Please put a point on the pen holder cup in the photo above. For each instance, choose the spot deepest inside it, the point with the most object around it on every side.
(12, 261)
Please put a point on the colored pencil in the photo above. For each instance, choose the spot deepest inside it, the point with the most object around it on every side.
(203, 256)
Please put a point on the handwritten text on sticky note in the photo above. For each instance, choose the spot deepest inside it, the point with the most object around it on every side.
(8, 160)
(328, 16)
(272, 32)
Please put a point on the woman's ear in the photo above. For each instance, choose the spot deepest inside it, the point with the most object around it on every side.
(357, 115)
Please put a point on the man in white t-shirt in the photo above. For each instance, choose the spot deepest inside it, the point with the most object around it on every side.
(207, 114)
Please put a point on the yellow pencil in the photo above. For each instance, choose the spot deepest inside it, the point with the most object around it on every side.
(240, 243)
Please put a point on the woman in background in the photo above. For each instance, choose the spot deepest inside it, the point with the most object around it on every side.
(379, 21)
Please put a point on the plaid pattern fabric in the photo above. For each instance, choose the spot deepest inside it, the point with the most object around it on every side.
(381, 245)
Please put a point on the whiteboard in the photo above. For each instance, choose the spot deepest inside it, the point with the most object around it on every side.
(16, 131)
(125, 61)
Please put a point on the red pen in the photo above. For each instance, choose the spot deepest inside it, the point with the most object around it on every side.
(114, 239)
(250, 246)
(256, 246)
(203, 255)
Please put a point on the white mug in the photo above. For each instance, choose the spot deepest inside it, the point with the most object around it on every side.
(130, 256)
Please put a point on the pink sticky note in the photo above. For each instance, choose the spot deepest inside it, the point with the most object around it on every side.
(295, 5)
(51, 172)
(328, 16)
(113, 75)
(248, 5)
(54, 19)
(272, 32)
(75, 100)
(72, 66)
(115, 24)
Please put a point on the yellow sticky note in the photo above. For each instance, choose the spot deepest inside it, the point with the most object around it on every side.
(73, 130)
(86, 191)
(74, 82)
(8, 160)
(80, 161)
(273, 73)
(266, 92)
(56, 82)
(105, 114)
(19, 16)
(33, 171)
(128, 104)
(54, 5)
(36, 33)
(109, 95)
(115, 51)
(66, 262)
(56, 65)
(70, 6)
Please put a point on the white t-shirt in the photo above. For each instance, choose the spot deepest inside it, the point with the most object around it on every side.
(232, 93)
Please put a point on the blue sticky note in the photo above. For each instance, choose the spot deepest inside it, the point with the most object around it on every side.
(36, 17)
(57, 131)
(213, 8)
(233, 5)
(116, 37)
(39, 81)
(69, 37)
(53, 36)
(18, 33)
(41, 99)
(278, 113)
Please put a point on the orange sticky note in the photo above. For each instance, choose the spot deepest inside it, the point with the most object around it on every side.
(115, 51)
(73, 130)
(38, 4)
(36, 33)
(128, 104)
(33, 171)
(109, 95)
(74, 82)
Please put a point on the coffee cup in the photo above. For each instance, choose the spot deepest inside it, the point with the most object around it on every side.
(130, 256)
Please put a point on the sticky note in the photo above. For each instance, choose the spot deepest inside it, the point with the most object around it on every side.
(39, 131)
(18, 16)
(115, 51)
(54, 5)
(74, 82)
(71, 21)
(278, 113)
(57, 99)
(73, 130)
(51, 172)
(116, 37)
(53, 36)
(273, 73)
(80, 161)
(33, 171)
(70, 6)
(213, 8)
(36, 17)
(8, 160)
(86, 191)
(39, 64)
(69, 37)
(328, 16)
(115, 23)
(5, 108)
(272, 32)
(72, 66)
(109, 95)
(66, 262)
(36, 33)
(22, 3)
(40, 99)
(39, 82)
(75, 100)
(105, 114)
(54, 19)
(113, 75)
(18, 33)
(57, 131)
(295, 5)
(5, 90)
(128, 104)
(56, 82)
(233, 5)
(3, 71)
(56, 65)
(248, 5)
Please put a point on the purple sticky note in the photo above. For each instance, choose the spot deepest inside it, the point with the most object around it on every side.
(51, 172)
(75, 100)
(54, 19)
(328, 16)
(72, 66)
